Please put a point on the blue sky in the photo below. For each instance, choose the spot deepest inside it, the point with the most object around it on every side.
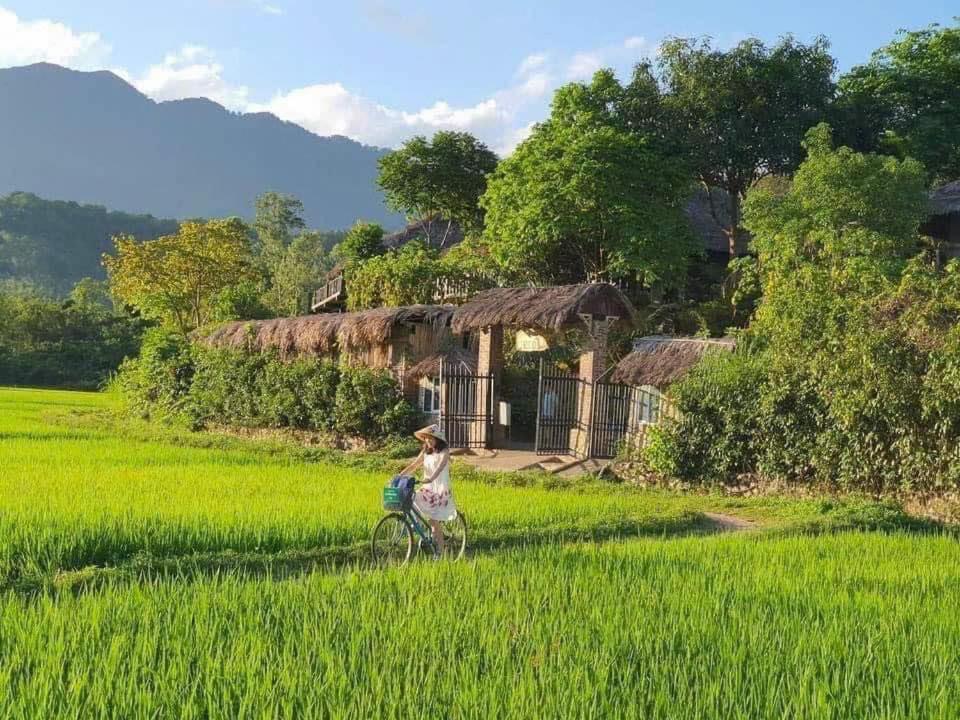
(382, 70)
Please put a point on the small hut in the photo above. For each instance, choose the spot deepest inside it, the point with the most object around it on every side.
(655, 363)
(944, 222)
(423, 379)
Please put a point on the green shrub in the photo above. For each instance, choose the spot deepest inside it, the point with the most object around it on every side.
(369, 404)
(157, 383)
(714, 438)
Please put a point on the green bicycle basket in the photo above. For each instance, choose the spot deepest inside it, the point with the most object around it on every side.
(395, 498)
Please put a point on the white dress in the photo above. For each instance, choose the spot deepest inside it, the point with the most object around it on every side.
(434, 500)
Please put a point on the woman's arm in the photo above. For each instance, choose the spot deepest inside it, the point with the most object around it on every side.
(414, 465)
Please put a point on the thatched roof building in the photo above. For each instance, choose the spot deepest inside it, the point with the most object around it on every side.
(324, 333)
(944, 221)
(545, 308)
(660, 360)
(436, 231)
(945, 200)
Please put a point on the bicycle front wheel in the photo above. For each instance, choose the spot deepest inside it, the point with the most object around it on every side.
(392, 542)
(454, 537)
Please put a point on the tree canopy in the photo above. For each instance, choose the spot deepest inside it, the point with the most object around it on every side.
(438, 180)
(363, 241)
(53, 244)
(587, 197)
(736, 115)
(176, 279)
(906, 101)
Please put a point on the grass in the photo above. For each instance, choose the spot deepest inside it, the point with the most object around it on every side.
(152, 573)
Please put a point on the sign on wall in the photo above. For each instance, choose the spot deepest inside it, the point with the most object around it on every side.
(531, 342)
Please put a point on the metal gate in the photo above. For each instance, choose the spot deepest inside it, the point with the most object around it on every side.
(559, 394)
(466, 407)
(612, 418)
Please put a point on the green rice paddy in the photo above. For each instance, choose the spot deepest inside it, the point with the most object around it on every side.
(150, 573)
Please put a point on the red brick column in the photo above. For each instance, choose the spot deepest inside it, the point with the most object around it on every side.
(489, 363)
(593, 364)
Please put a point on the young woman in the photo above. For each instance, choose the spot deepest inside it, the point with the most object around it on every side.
(434, 499)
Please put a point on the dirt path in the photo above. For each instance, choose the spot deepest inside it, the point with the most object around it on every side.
(729, 523)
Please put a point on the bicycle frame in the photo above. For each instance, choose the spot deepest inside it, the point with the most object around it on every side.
(421, 526)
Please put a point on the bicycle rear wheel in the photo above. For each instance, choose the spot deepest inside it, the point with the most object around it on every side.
(454, 537)
(392, 541)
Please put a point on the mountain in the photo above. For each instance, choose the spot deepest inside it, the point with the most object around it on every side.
(94, 138)
(53, 244)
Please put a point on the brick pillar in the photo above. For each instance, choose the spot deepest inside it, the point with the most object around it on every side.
(489, 363)
(593, 363)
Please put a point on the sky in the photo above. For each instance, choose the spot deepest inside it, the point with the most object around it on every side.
(381, 71)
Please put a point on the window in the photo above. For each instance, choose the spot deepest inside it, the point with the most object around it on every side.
(430, 395)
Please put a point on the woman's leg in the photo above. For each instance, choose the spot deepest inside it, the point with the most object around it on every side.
(437, 534)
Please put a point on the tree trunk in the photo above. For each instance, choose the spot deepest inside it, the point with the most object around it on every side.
(735, 239)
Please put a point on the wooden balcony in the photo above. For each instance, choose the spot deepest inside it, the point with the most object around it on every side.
(330, 295)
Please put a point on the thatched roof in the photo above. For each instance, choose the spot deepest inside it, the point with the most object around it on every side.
(304, 335)
(374, 327)
(660, 360)
(545, 308)
(456, 358)
(945, 200)
(700, 214)
(432, 232)
(320, 334)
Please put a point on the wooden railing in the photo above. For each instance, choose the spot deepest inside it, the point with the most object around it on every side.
(330, 293)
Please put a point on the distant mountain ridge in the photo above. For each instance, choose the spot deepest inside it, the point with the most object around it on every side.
(91, 137)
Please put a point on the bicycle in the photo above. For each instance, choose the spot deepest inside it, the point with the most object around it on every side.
(393, 537)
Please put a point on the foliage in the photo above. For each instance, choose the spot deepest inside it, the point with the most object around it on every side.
(438, 180)
(177, 278)
(301, 269)
(848, 370)
(76, 342)
(713, 439)
(276, 220)
(362, 242)
(905, 100)
(157, 383)
(369, 405)
(54, 244)
(738, 114)
(194, 385)
(586, 197)
(403, 276)
(260, 390)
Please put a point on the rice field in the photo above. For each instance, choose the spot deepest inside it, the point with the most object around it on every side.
(145, 576)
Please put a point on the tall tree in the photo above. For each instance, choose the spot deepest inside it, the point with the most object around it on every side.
(439, 179)
(906, 100)
(363, 241)
(177, 278)
(299, 272)
(740, 114)
(585, 197)
(278, 218)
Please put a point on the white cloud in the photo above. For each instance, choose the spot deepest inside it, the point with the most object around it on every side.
(583, 65)
(268, 8)
(502, 119)
(532, 63)
(29, 41)
(192, 71)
